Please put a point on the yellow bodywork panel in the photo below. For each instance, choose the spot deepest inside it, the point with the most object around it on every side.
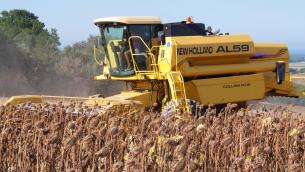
(204, 50)
(211, 50)
(129, 97)
(269, 47)
(132, 97)
(208, 70)
(214, 46)
(42, 98)
(22, 99)
(225, 90)
(143, 97)
(270, 78)
(272, 53)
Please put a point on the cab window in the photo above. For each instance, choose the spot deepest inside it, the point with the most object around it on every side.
(138, 47)
(149, 34)
(141, 30)
(115, 38)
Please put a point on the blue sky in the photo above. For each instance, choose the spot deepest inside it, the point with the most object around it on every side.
(265, 20)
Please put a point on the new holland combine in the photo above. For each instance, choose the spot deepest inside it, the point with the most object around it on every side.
(174, 66)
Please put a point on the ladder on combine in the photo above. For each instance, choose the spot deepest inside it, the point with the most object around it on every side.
(177, 89)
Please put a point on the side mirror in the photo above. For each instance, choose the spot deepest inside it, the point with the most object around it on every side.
(161, 37)
(280, 72)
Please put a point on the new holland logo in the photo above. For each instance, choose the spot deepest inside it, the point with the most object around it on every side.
(195, 50)
(209, 49)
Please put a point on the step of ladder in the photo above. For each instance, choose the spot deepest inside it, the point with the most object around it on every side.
(177, 89)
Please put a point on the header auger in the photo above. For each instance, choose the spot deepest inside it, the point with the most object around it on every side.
(175, 66)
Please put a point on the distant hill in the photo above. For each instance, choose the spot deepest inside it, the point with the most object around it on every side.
(297, 51)
(297, 57)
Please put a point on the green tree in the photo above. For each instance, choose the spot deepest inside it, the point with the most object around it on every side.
(30, 34)
(16, 21)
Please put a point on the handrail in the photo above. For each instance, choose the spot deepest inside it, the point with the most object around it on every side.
(132, 56)
(155, 46)
(94, 56)
(176, 56)
(138, 37)
(149, 53)
(158, 49)
(153, 61)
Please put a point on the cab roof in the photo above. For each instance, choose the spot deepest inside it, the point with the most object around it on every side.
(128, 20)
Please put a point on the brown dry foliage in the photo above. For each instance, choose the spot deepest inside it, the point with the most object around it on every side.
(40, 137)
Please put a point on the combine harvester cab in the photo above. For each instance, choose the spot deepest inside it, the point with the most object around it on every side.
(176, 66)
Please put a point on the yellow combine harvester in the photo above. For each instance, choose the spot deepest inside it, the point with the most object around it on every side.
(174, 65)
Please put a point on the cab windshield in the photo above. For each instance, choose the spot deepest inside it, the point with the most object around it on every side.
(116, 47)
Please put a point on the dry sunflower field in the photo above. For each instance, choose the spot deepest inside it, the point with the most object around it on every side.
(45, 137)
